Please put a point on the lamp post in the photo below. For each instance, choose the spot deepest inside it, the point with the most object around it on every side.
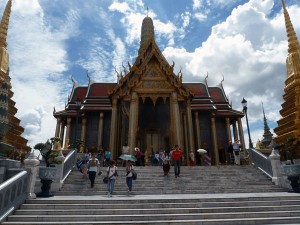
(78, 104)
(244, 103)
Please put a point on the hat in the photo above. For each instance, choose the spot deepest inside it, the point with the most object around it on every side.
(136, 149)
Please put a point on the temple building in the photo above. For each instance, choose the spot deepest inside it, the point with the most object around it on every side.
(289, 124)
(12, 144)
(149, 107)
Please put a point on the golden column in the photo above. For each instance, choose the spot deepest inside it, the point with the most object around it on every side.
(190, 126)
(133, 121)
(57, 130)
(113, 127)
(198, 137)
(186, 139)
(176, 120)
(215, 144)
(228, 129)
(100, 129)
(235, 133)
(83, 133)
(62, 132)
(67, 138)
(241, 134)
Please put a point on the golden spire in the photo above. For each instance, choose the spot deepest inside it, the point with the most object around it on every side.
(291, 34)
(4, 24)
(147, 32)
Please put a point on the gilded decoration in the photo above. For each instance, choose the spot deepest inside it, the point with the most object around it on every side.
(4, 60)
(155, 85)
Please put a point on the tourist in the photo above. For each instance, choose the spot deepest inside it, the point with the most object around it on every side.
(177, 157)
(99, 156)
(111, 174)
(166, 163)
(129, 169)
(161, 156)
(192, 158)
(156, 159)
(93, 165)
(125, 151)
(236, 150)
(230, 153)
(86, 156)
(138, 156)
(107, 156)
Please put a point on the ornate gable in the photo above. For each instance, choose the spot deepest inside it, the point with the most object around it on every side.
(151, 74)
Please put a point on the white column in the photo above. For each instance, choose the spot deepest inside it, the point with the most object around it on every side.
(57, 130)
(214, 134)
(113, 128)
(100, 129)
(176, 119)
(133, 120)
(31, 163)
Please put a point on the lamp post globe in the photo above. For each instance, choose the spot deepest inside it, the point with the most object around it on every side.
(78, 105)
(244, 104)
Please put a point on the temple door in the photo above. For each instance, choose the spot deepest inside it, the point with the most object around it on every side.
(152, 141)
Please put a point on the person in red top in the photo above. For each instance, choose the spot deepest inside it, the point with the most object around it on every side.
(176, 156)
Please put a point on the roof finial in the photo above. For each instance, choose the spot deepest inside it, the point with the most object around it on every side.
(4, 24)
(147, 11)
(291, 34)
(262, 105)
(283, 4)
(88, 76)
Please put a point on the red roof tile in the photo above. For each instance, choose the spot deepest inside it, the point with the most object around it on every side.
(216, 94)
(199, 89)
(100, 89)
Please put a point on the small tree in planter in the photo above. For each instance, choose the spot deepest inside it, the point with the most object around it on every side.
(48, 174)
(49, 154)
(290, 150)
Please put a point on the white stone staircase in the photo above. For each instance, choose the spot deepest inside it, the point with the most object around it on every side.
(202, 195)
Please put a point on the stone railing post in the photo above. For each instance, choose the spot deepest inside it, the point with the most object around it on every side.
(276, 167)
(57, 183)
(31, 163)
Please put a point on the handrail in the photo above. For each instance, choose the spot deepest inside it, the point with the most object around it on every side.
(69, 163)
(13, 193)
(261, 161)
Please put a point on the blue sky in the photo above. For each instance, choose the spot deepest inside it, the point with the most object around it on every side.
(50, 41)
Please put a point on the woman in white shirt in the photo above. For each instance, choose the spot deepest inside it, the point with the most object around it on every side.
(93, 165)
(111, 174)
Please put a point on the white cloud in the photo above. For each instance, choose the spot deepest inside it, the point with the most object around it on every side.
(200, 16)
(250, 50)
(120, 7)
(196, 4)
(186, 19)
(38, 59)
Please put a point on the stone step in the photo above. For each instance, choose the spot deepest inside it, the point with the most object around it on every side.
(134, 210)
(154, 217)
(250, 198)
(239, 221)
